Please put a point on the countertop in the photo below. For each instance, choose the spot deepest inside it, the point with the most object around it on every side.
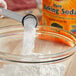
(7, 21)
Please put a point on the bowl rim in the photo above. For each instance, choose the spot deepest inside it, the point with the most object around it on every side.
(51, 58)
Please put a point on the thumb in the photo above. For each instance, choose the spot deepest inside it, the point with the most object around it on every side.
(3, 4)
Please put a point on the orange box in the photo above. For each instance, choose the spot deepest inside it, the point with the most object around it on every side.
(60, 13)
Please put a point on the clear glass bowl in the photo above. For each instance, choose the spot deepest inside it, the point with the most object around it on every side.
(50, 58)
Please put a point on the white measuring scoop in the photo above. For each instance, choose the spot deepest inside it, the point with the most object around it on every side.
(23, 19)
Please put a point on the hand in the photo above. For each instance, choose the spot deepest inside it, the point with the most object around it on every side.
(3, 4)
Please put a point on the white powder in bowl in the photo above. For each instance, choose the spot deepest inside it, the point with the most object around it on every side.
(32, 70)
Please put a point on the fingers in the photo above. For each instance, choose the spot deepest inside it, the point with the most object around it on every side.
(3, 4)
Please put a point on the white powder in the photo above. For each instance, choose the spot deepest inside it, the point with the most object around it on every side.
(29, 35)
(29, 24)
(32, 70)
(28, 42)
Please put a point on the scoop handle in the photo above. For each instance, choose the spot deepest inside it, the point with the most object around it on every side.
(11, 14)
(16, 16)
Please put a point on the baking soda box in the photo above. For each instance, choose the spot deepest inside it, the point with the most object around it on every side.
(60, 13)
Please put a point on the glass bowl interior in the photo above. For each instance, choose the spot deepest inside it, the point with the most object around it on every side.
(11, 46)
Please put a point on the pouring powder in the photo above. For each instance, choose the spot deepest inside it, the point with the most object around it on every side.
(29, 36)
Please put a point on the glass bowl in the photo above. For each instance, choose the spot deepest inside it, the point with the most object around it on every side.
(51, 54)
